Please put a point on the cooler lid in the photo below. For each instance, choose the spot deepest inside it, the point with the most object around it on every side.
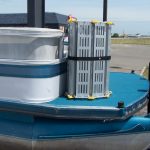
(30, 32)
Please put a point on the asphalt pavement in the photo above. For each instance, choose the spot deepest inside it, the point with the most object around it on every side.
(129, 57)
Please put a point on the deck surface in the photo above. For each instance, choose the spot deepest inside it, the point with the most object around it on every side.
(127, 87)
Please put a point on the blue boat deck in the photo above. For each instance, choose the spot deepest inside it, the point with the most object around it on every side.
(130, 88)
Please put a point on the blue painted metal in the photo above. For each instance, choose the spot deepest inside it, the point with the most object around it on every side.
(81, 128)
(131, 88)
(124, 86)
(10, 127)
(33, 71)
(45, 128)
(78, 122)
(14, 116)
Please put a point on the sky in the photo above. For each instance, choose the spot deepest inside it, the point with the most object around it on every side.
(128, 16)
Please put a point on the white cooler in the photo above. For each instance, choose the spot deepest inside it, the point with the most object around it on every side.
(32, 67)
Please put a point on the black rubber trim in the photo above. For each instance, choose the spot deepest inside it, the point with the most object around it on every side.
(89, 58)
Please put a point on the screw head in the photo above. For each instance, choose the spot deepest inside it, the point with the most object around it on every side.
(121, 104)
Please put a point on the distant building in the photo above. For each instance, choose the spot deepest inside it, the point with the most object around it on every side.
(52, 20)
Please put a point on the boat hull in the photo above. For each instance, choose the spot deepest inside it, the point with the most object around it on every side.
(137, 141)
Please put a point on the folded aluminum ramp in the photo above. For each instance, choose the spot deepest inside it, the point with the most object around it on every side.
(88, 59)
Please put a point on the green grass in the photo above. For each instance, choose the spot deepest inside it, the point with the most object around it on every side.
(137, 41)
